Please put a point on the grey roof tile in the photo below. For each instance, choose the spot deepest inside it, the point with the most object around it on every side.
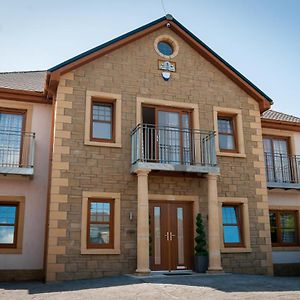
(27, 81)
(279, 116)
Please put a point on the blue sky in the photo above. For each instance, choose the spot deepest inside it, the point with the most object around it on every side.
(260, 38)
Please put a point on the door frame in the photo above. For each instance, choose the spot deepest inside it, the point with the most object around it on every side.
(194, 199)
(180, 111)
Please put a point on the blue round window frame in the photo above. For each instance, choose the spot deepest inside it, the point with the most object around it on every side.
(165, 48)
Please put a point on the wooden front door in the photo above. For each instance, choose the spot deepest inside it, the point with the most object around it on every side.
(171, 235)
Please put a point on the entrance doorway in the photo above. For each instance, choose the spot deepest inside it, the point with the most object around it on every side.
(171, 235)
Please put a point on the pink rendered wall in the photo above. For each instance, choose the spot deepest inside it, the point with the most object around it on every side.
(35, 192)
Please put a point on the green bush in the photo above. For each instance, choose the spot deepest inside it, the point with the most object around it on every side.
(200, 248)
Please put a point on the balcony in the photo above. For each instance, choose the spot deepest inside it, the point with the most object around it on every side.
(173, 149)
(17, 153)
(282, 170)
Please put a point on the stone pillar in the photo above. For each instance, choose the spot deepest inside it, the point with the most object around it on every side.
(142, 222)
(214, 250)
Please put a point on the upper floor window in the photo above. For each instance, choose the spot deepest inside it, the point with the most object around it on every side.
(276, 145)
(227, 133)
(100, 225)
(232, 231)
(8, 225)
(102, 121)
(165, 48)
(284, 228)
(12, 127)
(279, 166)
(12, 120)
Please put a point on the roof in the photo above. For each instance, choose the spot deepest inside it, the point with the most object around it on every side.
(177, 27)
(26, 81)
(273, 115)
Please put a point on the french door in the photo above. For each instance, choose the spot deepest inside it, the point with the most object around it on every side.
(171, 235)
(278, 167)
(170, 130)
(12, 124)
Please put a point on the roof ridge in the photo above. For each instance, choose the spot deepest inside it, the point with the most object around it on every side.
(22, 72)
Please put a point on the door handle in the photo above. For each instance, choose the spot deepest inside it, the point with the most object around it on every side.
(171, 235)
(168, 236)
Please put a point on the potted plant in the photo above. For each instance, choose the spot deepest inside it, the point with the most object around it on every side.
(201, 254)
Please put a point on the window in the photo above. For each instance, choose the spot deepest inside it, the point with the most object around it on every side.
(8, 225)
(284, 231)
(100, 229)
(231, 220)
(227, 133)
(228, 124)
(279, 166)
(165, 48)
(102, 121)
(100, 223)
(12, 127)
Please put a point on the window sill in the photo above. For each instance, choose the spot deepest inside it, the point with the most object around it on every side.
(231, 154)
(285, 248)
(100, 251)
(103, 144)
(236, 250)
(10, 250)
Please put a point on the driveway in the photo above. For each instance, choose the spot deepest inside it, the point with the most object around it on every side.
(168, 287)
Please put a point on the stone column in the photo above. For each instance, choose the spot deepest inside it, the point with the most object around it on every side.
(142, 222)
(213, 225)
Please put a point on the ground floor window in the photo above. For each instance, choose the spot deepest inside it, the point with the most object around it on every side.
(12, 210)
(284, 229)
(232, 225)
(100, 223)
(8, 225)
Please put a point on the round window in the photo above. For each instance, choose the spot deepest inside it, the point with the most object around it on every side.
(165, 48)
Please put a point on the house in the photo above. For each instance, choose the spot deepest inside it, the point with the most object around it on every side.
(281, 139)
(25, 124)
(139, 135)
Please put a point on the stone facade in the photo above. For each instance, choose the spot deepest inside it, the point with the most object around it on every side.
(132, 71)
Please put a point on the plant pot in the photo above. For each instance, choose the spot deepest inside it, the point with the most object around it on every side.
(201, 264)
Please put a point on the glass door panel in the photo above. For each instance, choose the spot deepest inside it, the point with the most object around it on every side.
(186, 139)
(169, 137)
(180, 234)
(281, 161)
(277, 160)
(157, 236)
(11, 126)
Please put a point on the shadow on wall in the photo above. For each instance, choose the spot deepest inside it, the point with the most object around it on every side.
(225, 283)
(287, 269)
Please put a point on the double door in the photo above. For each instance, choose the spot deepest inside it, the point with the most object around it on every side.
(171, 235)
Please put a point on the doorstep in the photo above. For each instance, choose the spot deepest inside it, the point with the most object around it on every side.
(165, 274)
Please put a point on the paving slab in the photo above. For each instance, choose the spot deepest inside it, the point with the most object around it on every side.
(158, 288)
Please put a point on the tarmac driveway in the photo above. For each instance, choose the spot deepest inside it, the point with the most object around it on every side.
(168, 287)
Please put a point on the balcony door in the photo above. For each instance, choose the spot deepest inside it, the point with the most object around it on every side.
(278, 167)
(167, 135)
(12, 124)
(171, 235)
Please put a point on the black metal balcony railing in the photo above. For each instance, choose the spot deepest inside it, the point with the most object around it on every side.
(282, 168)
(172, 145)
(16, 151)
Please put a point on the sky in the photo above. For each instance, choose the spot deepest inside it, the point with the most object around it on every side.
(260, 38)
